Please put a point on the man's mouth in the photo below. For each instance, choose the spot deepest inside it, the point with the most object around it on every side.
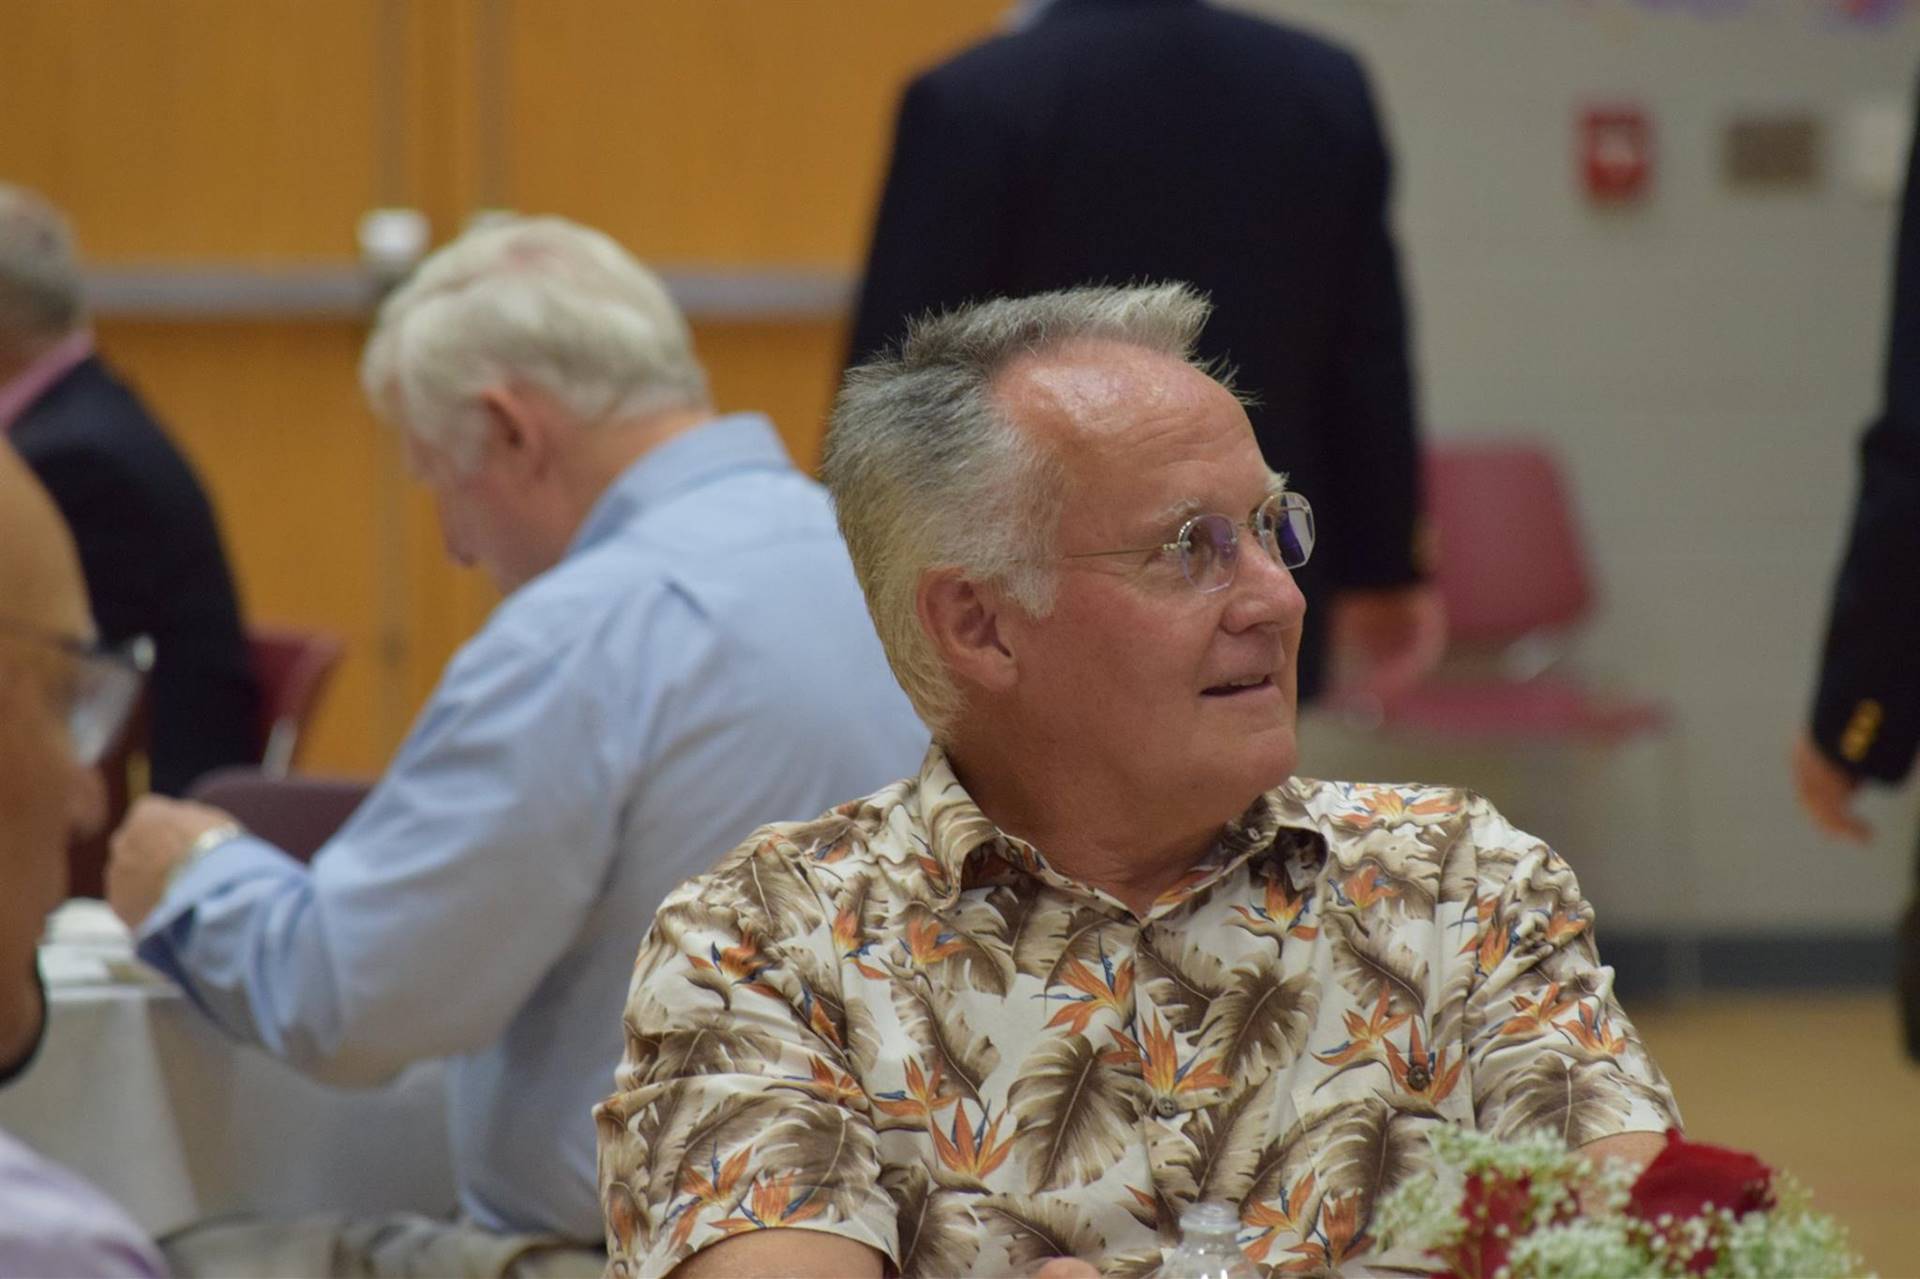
(1239, 687)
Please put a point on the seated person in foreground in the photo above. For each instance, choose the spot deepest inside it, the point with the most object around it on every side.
(53, 680)
(1105, 955)
(681, 655)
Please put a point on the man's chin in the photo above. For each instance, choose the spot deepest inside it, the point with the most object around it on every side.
(1237, 779)
(22, 1030)
(1275, 754)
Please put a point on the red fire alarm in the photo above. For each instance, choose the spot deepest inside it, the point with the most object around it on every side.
(1616, 154)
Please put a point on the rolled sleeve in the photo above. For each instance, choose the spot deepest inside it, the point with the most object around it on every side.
(736, 1107)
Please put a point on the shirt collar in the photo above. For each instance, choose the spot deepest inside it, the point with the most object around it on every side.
(719, 446)
(967, 850)
(34, 381)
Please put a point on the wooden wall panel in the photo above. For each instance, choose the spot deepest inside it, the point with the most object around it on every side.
(220, 130)
(718, 131)
(787, 370)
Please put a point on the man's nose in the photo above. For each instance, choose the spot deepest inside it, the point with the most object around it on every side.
(1263, 592)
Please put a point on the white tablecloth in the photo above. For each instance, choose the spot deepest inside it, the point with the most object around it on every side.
(138, 1092)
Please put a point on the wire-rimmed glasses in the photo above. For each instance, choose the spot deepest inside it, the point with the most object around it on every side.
(1208, 546)
(105, 686)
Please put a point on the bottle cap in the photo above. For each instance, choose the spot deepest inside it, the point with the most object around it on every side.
(1212, 1218)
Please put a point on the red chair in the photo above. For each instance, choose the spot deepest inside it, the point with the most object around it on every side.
(292, 667)
(1512, 573)
(295, 814)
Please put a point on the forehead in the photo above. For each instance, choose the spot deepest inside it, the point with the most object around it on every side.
(1132, 426)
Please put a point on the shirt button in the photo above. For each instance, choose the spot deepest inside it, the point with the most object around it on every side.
(1166, 1108)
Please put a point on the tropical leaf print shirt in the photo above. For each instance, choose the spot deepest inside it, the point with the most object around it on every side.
(899, 1025)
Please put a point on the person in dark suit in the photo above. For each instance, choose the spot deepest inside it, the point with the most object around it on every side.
(149, 544)
(1866, 713)
(1109, 141)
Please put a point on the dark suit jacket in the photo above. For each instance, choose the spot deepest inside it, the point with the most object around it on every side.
(154, 565)
(1866, 714)
(1127, 140)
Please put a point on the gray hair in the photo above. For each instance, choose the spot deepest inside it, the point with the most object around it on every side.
(41, 295)
(927, 471)
(542, 302)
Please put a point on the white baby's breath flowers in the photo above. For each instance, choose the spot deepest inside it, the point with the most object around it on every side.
(1586, 1249)
(1581, 1227)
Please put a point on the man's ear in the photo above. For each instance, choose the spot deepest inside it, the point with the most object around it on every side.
(963, 618)
(520, 431)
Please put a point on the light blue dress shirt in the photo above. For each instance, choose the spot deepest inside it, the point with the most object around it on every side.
(701, 662)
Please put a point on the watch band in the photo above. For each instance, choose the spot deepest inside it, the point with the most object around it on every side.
(203, 843)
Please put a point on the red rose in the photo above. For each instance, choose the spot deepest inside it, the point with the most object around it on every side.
(1490, 1202)
(1687, 1179)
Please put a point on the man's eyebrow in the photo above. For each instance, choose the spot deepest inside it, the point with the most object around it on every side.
(1179, 512)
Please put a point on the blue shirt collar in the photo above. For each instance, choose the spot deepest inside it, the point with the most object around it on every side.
(721, 446)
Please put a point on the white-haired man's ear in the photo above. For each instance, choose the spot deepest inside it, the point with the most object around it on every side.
(962, 620)
(523, 431)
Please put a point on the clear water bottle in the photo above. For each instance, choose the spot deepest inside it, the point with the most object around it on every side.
(1207, 1249)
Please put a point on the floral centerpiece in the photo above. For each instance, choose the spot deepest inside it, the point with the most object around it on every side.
(1532, 1209)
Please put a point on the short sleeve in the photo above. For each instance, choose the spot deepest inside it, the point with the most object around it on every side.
(1549, 1045)
(735, 1107)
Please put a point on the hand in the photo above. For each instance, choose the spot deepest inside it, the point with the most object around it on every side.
(1384, 641)
(1826, 792)
(1635, 1150)
(153, 840)
(1067, 1268)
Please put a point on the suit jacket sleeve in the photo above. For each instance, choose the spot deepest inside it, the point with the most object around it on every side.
(1376, 455)
(939, 238)
(1866, 714)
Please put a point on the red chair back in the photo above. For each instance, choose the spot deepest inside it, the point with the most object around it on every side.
(295, 814)
(1509, 559)
(292, 667)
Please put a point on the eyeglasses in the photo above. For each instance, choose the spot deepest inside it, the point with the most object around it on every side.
(104, 690)
(1208, 546)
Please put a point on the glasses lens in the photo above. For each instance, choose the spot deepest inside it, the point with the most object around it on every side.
(1285, 525)
(1297, 532)
(109, 685)
(1209, 549)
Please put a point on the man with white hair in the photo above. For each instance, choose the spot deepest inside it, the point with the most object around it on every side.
(62, 699)
(1104, 957)
(149, 543)
(681, 655)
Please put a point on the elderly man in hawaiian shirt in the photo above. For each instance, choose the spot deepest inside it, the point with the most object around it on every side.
(1105, 956)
